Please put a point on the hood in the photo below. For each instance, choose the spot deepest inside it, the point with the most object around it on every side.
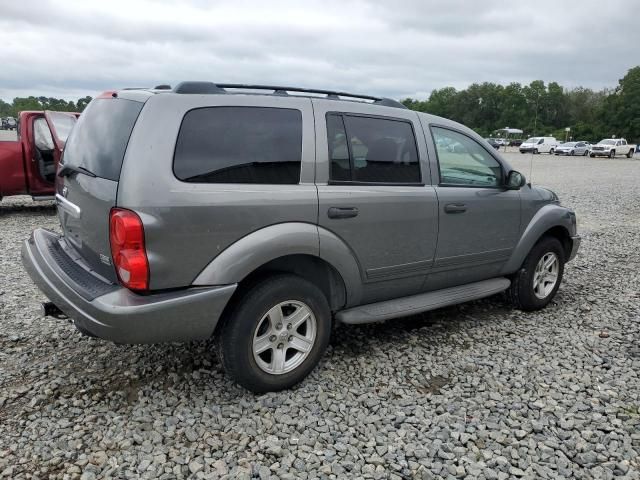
(545, 194)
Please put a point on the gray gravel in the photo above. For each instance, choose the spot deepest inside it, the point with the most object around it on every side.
(477, 391)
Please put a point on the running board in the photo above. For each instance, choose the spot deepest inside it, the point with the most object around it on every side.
(423, 302)
(43, 198)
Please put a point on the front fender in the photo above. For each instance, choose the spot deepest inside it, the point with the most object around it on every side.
(548, 217)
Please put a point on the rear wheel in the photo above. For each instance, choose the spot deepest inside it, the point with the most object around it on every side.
(275, 333)
(538, 280)
(592, 155)
(586, 152)
(551, 152)
(630, 154)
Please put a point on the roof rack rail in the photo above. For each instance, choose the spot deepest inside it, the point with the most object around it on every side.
(210, 87)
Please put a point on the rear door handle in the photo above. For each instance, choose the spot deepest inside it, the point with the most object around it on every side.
(342, 212)
(455, 208)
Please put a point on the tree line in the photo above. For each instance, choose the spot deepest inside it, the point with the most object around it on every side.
(20, 104)
(538, 109)
(541, 109)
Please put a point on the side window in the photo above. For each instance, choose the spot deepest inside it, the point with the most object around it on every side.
(372, 150)
(42, 135)
(464, 162)
(239, 145)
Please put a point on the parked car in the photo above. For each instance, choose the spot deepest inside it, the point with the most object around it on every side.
(515, 142)
(290, 212)
(572, 148)
(539, 145)
(610, 147)
(493, 142)
(9, 123)
(28, 164)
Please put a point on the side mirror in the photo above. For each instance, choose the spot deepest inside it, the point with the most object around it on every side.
(515, 180)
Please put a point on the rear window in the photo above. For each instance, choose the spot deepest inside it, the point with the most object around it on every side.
(239, 145)
(100, 137)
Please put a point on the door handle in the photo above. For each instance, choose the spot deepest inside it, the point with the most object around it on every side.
(342, 212)
(455, 208)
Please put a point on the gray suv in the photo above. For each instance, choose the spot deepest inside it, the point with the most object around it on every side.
(260, 215)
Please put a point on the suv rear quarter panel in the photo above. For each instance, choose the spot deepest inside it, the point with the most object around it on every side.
(187, 225)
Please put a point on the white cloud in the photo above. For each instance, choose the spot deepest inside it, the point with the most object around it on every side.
(397, 49)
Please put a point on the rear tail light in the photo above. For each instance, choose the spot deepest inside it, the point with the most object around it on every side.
(126, 234)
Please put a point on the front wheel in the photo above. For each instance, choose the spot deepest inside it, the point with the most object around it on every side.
(612, 153)
(275, 334)
(538, 280)
(535, 151)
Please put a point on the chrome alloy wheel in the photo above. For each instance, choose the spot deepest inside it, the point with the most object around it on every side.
(545, 276)
(284, 337)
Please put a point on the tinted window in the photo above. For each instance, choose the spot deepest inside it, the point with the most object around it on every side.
(100, 137)
(338, 149)
(463, 161)
(239, 145)
(373, 150)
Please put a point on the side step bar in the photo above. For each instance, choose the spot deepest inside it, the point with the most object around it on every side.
(423, 302)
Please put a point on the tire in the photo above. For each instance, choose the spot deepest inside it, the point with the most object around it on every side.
(535, 151)
(572, 153)
(592, 155)
(586, 152)
(523, 292)
(251, 316)
(612, 153)
(551, 152)
(630, 154)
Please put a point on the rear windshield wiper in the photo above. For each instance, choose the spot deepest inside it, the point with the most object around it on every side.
(66, 170)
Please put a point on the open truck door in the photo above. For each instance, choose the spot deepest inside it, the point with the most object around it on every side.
(12, 180)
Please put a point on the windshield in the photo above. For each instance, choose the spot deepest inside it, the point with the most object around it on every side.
(608, 142)
(63, 123)
(532, 140)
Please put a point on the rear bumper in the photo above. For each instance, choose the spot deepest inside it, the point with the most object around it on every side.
(115, 313)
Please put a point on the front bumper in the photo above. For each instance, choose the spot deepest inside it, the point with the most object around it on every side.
(115, 313)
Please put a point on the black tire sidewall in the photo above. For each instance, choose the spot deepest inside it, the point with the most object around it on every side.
(236, 337)
(522, 285)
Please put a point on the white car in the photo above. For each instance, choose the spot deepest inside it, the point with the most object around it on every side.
(573, 148)
(539, 145)
(610, 147)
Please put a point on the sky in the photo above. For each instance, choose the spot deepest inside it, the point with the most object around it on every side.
(399, 49)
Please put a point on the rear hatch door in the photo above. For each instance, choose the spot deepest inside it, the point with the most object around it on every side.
(88, 175)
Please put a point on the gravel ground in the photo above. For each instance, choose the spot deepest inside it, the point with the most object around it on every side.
(477, 391)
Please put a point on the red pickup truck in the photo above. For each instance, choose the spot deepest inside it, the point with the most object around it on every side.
(28, 164)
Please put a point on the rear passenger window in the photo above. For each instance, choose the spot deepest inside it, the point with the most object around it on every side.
(372, 150)
(239, 145)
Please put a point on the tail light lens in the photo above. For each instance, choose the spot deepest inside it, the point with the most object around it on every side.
(126, 234)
